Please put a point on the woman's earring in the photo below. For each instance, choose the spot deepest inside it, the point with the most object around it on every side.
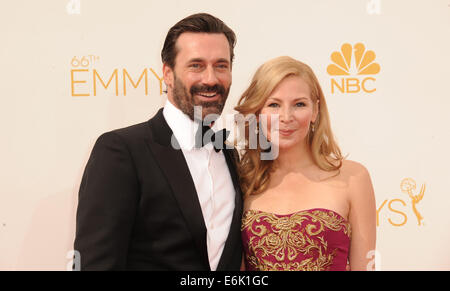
(312, 127)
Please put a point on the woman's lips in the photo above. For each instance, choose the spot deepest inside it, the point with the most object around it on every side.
(286, 132)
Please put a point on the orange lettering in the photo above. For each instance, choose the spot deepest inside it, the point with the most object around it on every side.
(364, 86)
(354, 84)
(399, 212)
(74, 82)
(378, 212)
(125, 73)
(114, 74)
(334, 83)
(160, 81)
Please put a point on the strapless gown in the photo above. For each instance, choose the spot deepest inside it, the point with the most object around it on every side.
(308, 240)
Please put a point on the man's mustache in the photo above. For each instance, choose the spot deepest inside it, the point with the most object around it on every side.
(219, 89)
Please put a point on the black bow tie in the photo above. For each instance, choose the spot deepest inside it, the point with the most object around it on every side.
(206, 134)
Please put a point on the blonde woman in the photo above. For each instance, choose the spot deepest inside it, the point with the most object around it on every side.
(309, 208)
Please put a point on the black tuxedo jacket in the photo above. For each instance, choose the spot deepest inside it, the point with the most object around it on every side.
(138, 208)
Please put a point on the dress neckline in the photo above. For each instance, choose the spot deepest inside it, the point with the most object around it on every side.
(299, 211)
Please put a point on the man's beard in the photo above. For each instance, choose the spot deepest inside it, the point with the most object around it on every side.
(186, 101)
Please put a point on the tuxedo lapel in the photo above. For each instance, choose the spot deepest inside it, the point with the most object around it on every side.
(174, 166)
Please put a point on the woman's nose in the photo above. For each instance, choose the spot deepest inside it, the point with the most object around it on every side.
(285, 114)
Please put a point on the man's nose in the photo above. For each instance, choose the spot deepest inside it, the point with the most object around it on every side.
(209, 76)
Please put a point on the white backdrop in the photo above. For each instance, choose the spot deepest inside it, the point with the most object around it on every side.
(55, 54)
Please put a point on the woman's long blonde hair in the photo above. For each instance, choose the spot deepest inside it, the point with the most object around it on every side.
(255, 173)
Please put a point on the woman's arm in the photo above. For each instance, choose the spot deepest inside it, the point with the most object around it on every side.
(243, 263)
(362, 218)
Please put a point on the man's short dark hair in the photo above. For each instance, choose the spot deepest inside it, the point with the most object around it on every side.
(201, 22)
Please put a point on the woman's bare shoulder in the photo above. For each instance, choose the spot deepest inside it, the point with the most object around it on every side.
(353, 168)
(358, 179)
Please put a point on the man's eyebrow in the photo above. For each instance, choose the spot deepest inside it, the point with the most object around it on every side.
(222, 60)
(199, 60)
(196, 60)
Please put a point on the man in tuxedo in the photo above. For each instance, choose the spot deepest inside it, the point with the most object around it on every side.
(145, 204)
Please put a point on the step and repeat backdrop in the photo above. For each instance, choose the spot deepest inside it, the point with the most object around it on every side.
(73, 69)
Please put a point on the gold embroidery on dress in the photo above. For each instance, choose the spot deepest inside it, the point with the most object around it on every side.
(288, 240)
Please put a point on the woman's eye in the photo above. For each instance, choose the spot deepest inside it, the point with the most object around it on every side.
(274, 105)
(300, 104)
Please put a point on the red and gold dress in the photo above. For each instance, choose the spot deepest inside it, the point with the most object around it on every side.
(308, 240)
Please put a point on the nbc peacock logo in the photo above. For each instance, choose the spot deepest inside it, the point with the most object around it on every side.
(352, 69)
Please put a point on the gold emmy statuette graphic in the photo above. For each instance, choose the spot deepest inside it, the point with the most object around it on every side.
(407, 186)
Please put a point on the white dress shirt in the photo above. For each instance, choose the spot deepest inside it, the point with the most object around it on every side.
(212, 181)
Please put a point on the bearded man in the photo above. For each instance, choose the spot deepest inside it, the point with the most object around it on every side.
(145, 204)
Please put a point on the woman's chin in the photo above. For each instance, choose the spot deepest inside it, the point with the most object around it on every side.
(285, 145)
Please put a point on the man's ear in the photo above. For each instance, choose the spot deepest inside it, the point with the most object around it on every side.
(168, 76)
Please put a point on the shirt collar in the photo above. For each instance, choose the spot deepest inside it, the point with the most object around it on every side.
(182, 126)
